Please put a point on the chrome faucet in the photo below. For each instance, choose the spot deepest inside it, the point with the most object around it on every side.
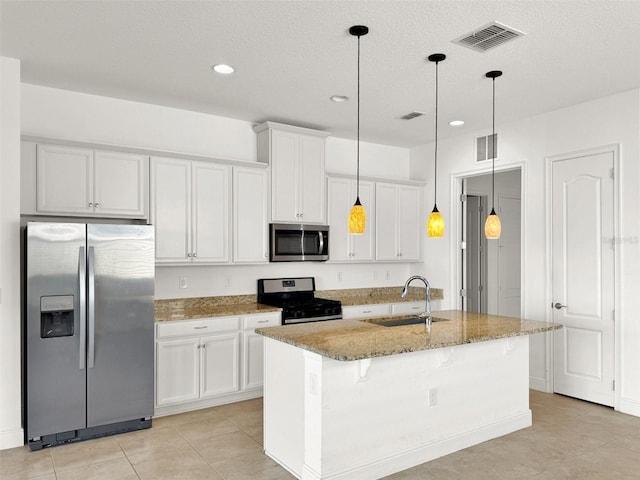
(427, 306)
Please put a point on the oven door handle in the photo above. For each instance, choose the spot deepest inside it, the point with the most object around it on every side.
(321, 237)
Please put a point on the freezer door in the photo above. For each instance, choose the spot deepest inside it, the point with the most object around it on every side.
(120, 321)
(54, 333)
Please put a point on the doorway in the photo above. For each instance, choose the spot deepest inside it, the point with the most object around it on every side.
(491, 269)
(583, 276)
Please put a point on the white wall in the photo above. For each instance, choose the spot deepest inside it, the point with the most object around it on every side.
(606, 121)
(77, 116)
(11, 434)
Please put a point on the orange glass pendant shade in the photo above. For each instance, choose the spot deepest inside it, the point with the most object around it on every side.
(435, 225)
(492, 227)
(357, 218)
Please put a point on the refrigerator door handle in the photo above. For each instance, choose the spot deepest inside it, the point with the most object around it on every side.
(82, 285)
(91, 308)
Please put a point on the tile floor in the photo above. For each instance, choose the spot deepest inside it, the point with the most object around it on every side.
(569, 439)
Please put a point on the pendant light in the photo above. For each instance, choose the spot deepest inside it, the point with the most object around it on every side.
(358, 217)
(435, 224)
(492, 226)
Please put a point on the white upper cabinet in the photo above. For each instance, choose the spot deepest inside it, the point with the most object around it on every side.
(250, 215)
(190, 208)
(87, 182)
(398, 222)
(297, 157)
(341, 195)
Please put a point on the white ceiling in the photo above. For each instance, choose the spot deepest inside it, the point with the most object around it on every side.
(291, 56)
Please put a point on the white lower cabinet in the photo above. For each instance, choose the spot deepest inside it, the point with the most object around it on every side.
(209, 361)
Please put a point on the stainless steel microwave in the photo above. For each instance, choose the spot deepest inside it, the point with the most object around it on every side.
(298, 243)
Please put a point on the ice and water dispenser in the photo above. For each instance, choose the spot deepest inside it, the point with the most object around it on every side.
(56, 316)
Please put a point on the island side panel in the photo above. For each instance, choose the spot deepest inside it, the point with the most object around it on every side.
(284, 404)
(370, 418)
(382, 422)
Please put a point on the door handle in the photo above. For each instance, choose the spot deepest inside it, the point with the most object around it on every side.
(82, 285)
(91, 308)
(558, 306)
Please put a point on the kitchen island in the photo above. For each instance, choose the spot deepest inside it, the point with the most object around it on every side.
(354, 399)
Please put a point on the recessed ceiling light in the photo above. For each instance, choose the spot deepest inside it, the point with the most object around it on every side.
(456, 123)
(339, 98)
(222, 68)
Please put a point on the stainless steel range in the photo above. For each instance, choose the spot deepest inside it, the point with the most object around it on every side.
(296, 297)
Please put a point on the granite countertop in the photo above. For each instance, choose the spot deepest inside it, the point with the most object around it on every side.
(224, 306)
(368, 296)
(348, 340)
(203, 307)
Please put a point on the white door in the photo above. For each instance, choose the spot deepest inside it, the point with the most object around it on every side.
(177, 371)
(120, 185)
(583, 276)
(210, 212)
(219, 371)
(509, 257)
(284, 177)
(311, 179)
(64, 180)
(171, 209)
(250, 215)
(475, 255)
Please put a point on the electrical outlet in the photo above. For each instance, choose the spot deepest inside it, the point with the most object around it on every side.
(375, 275)
(433, 397)
(227, 281)
(339, 276)
(182, 282)
(387, 276)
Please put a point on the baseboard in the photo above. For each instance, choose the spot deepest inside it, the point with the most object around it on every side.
(629, 406)
(539, 384)
(207, 403)
(426, 452)
(11, 438)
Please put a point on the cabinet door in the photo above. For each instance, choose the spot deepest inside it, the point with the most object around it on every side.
(340, 201)
(410, 225)
(252, 360)
(64, 180)
(210, 184)
(250, 215)
(121, 184)
(284, 177)
(386, 225)
(177, 371)
(171, 209)
(220, 364)
(311, 205)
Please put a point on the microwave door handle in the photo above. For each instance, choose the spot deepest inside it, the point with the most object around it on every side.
(321, 236)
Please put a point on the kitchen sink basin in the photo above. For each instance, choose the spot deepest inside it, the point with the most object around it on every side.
(397, 322)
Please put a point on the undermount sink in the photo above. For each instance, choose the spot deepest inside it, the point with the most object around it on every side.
(397, 322)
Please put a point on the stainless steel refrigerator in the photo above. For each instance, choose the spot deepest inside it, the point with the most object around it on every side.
(89, 330)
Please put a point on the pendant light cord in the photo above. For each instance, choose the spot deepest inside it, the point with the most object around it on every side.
(435, 162)
(358, 131)
(493, 147)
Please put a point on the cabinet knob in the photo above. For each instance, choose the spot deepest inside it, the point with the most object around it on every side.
(189, 255)
(91, 204)
(97, 205)
(195, 254)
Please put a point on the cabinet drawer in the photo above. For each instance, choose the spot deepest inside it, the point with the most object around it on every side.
(365, 311)
(262, 320)
(407, 308)
(184, 328)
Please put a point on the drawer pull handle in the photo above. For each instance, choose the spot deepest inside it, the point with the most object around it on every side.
(200, 328)
(263, 321)
(366, 311)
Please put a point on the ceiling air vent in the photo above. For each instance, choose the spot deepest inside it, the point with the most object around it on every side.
(411, 116)
(488, 37)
